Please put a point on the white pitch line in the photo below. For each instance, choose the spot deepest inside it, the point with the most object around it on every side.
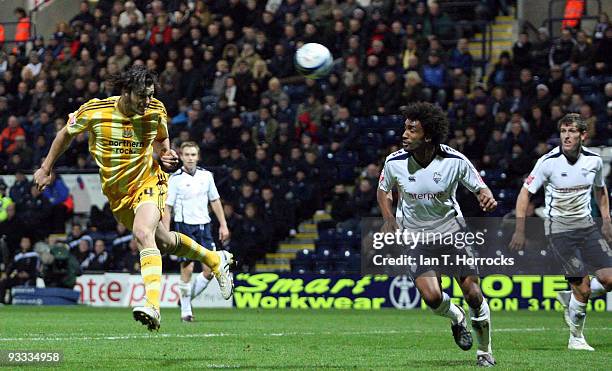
(275, 334)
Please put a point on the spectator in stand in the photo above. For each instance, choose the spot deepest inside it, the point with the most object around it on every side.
(23, 271)
(9, 135)
(435, 79)
(561, 50)
(522, 51)
(98, 259)
(61, 201)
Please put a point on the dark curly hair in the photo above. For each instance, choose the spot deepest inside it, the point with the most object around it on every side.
(432, 119)
(134, 78)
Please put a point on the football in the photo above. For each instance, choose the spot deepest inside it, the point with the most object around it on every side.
(313, 60)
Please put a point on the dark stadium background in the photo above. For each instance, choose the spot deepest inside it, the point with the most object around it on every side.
(228, 82)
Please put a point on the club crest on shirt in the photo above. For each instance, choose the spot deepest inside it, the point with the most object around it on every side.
(564, 173)
(584, 172)
(437, 177)
(128, 133)
(412, 178)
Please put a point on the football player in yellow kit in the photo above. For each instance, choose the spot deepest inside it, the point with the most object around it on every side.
(125, 133)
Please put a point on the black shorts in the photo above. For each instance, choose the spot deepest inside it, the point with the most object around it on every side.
(200, 233)
(443, 259)
(580, 252)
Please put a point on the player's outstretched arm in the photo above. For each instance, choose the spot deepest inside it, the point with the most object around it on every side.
(486, 200)
(385, 203)
(42, 176)
(602, 199)
(518, 238)
(217, 208)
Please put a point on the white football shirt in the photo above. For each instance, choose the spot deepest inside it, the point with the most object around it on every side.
(189, 195)
(427, 194)
(567, 188)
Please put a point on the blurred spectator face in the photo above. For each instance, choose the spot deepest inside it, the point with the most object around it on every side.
(567, 88)
(434, 8)
(582, 38)
(245, 136)
(13, 122)
(390, 77)
(300, 175)
(184, 135)
(79, 84)
(267, 194)
(250, 211)
(20, 142)
(433, 59)
(343, 114)
(585, 111)
(365, 186)
(542, 92)
(235, 154)
(396, 27)
(22, 88)
(81, 162)
(516, 127)
(25, 244)
(497, 135)
(498, 93)
(246, 190)
(523, 38)
(339, 27)
(260, 154)
(84, 246)
(264, 113)
(187, 64)
(462, 45)
(99, 247)
(525, 75)
(608, 89)
(470, 132)
(566, 35)
(536, 113)
(311, 157)
(236, 173)
(296, 153)
(339, 189)
(556, 112)
(252, 176)
(277, 171)
(517, 151)
(372, 61)
(480, 110)
(541, 148)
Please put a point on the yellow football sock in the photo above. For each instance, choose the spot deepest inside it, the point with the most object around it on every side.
(151, 271)
(188, 248)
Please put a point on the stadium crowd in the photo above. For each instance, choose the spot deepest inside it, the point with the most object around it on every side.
(282, 147)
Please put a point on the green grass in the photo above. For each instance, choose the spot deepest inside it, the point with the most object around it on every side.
(93, 338)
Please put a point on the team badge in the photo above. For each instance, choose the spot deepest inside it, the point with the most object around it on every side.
(437, 177)
(128, 133)
(412, 178)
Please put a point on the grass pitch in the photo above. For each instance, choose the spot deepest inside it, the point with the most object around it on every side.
(93, 338)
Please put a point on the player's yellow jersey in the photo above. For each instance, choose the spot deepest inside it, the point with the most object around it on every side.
(121, 145)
